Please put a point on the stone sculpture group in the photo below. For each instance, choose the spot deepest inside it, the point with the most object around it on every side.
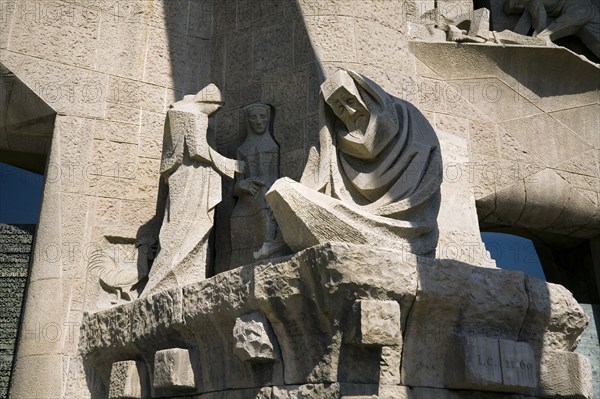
(351, 311)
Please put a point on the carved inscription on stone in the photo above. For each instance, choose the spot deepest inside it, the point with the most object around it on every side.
(493, 362)
(482, 360)
(519, 367)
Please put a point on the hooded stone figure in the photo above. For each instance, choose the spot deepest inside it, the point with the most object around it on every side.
(379, 161)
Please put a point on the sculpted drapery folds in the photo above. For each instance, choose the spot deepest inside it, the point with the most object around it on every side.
(254, 233)
(377, 173)
(192, 170)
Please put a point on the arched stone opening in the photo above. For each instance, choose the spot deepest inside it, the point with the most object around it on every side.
(26, 129)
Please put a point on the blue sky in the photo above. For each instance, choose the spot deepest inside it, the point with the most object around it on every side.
(513, 253)
(20, 195)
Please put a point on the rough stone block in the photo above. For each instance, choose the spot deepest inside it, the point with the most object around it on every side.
(254, 393)
(431, 393)
(69, 90)
(589, 346)
(114, 326)
(156, 313)
(308, 391)
(274, 50)
(444, 307)
(173, 58)
(55, 31)
(377, 323)
(254, 340)
(552, 306)
(124, 44)
(394, 392)
(173, 369)
(128, 380)
(480, 25)
(332, 37)
(135, 94)
(389, 366)
(565, 374)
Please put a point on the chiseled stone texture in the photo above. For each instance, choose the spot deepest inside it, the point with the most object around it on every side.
(103, 66)
(254, 339)
(527, 131)
(565, 374)
(455, 299)
(378, 323)
(15, 249)
(460, 325)
(128, 380)
(173, 370)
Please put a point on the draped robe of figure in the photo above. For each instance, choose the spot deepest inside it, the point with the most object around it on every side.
(192, 172)
(252, 222)
(390, 199)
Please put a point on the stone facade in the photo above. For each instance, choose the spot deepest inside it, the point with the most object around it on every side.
(590, 344)
(517, 127)
(385, 324)
(15, 250)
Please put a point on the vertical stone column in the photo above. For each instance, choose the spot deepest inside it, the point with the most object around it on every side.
(40, 345)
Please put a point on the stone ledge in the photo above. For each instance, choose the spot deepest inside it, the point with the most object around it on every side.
(452, 316)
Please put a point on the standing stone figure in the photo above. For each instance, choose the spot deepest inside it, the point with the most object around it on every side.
(375, 179)
(192, 171)
(254, 232)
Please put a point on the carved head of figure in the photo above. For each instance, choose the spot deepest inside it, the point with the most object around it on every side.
(347, 104)
(257, 117)
(369, 121)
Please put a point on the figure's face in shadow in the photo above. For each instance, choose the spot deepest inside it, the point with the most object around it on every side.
(259, 119)
(349, 109)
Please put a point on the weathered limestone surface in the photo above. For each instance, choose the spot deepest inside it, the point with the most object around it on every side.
(191, 169)
(567, 374)
(254, 339)
(128, 380)
(173, 370)
(379, 166)
(111, 71)
(15, 251)
(107, 68)
(521, 132)
(343, 317)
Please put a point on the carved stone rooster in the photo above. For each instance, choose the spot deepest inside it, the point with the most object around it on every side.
(123, 278)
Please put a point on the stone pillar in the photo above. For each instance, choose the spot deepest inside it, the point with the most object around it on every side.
(40, 344)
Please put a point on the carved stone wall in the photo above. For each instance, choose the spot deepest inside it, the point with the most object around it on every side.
(15, 250)
(341, 321)
(110, 69)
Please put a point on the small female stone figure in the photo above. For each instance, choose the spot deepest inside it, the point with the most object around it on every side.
(254, 232)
